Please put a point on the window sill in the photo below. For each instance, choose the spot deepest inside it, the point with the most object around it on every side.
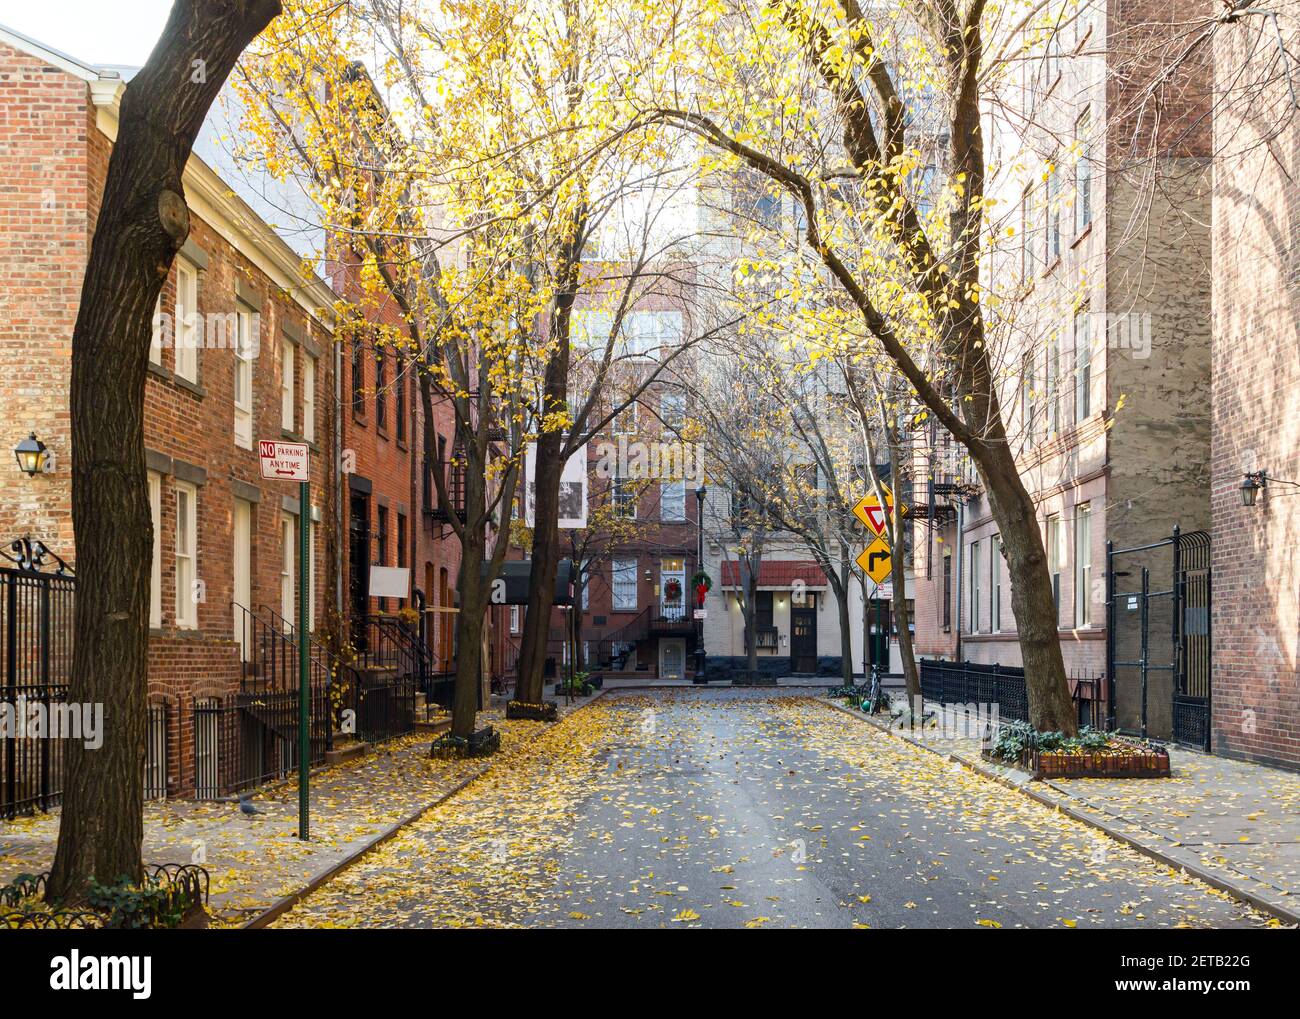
(1081, 235)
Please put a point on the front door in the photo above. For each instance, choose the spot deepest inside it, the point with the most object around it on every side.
(803, 635)
(672, 658)
(672, 589)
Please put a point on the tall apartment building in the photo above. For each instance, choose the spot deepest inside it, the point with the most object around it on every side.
(1103, 344)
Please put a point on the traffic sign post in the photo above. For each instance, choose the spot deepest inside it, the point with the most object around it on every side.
(291, 461)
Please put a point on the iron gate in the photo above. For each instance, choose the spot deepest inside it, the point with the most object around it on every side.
(1158, 638)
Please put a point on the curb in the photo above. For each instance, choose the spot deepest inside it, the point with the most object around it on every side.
(1194, 870)
(287, 902)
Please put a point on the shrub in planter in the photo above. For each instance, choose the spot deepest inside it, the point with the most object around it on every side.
(1092, 754)
(547, 711)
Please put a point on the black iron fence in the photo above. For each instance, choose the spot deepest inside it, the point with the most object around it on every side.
(1003, 685)
(250, 739)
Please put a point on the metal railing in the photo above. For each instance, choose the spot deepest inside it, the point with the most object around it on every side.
(1003, 685)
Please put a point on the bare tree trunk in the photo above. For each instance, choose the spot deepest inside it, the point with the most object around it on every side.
(143, 222)
(469, 634)
(842, 585)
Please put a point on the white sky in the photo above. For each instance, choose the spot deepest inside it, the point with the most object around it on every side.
(94, 31)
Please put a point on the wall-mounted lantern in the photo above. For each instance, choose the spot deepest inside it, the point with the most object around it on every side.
(30, 454)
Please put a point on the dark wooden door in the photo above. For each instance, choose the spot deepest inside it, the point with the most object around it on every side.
(803, 638)
(359, 566)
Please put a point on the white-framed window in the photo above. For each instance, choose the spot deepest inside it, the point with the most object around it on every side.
(155, 573)
(286, 568)
(1053, 543)
(586, 584)
(650, 333)
(1083, 565)
(1082, 366)
(161, 333)
(245, 351)
(975, 547)
(309, 398)
(187, 503)
(623, 491)
(672, 501)
(516, 612)
(286, 385)
(1083, 172)
(624, 422)
(623, 584)
(185, 328)
(995, 584)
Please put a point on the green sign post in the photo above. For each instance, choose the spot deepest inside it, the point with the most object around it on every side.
(291, 461)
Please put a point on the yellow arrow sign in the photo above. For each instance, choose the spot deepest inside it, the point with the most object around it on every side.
(875, 561)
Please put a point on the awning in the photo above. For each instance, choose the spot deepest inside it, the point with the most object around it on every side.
(778, 575)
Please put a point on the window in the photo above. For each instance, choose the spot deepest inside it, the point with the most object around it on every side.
(648, 333)
(401, 544)
(1083, 565)
(624, 422)
(381, 548)
(309, 398)
(245, 351)
(1051, 376)
(947, 591)
(1027, 415)
(186, 326)
(586, 574)
(1053, 214)
(155, 573)
(975, 547)
(358, 377)
(286, 569)
(161, 333)
(1082, 366)
(381, 389)
(1083, 173)
(672, 408)
(515, 612)
(995, 583)
(623, 572)
(672, 501)
(186, 543)
(286, 385)
(1027, 251)
(624, 497)
(400, 411)
(1053, 542)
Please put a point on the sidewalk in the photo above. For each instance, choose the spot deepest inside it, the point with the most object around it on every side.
(1232, 824)
(256, 863)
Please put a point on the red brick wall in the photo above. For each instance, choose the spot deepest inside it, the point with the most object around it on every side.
(1256, 411)
(44, 193)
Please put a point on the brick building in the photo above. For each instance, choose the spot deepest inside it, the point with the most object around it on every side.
(1256, 611)
(243, 351)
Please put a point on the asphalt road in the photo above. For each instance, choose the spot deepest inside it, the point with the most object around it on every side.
(732, 808)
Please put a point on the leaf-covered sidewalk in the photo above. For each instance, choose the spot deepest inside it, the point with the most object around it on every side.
(1231, 821)
(255, 862)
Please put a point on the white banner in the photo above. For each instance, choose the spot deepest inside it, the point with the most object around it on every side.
(573, 489)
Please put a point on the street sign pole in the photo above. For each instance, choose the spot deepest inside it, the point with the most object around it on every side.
(291, 461)
(304, 677)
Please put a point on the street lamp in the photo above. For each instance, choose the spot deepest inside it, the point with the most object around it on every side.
(30, 454)
(699, 568)
(1250, 487)
(1254, 483)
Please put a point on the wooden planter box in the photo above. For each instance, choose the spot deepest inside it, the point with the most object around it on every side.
(547, 711)
(1145, 762)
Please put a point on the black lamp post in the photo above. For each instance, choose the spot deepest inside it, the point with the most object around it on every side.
(699, 568)
(30, 454)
